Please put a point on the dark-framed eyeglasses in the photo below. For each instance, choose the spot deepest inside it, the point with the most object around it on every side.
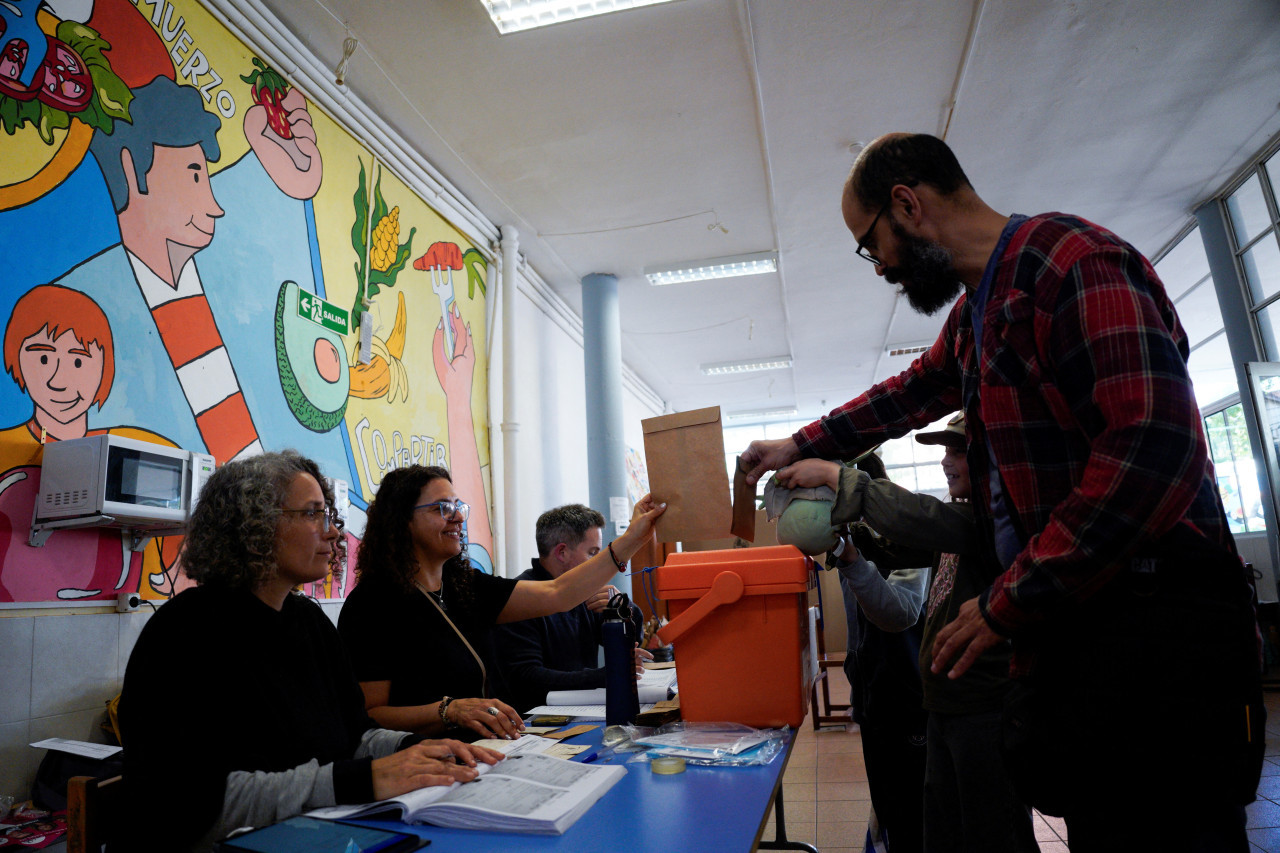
(449, 509)
(327, 516)
(863, 253)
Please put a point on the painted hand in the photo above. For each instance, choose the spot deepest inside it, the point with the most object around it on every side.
(454, 375)
(293, 164)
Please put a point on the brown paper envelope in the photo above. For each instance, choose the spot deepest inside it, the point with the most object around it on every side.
(564, 733)
(684, 453)
(744, 505)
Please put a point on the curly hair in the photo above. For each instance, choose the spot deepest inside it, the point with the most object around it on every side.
(386, 551)
(904, 158)
(231, 541)
(567, 524)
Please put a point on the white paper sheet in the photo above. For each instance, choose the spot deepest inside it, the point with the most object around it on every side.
(78, 747)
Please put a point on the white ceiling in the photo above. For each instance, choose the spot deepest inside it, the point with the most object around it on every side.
(1128, 113)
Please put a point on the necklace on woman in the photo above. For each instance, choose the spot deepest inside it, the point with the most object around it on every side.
(436, 595)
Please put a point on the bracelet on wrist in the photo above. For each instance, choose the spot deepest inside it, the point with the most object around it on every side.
(444, 710)
(622, 567)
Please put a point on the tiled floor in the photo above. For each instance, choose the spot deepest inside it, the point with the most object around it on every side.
(1264, 815)
(828, 801)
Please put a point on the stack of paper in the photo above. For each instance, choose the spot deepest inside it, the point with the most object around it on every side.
(653, 687)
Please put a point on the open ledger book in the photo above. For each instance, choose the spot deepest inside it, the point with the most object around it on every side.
(525, 792)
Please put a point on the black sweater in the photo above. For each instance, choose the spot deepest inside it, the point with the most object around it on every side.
(556, 652)
(219, 682)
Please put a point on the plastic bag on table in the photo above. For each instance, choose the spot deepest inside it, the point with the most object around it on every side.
(717, 744)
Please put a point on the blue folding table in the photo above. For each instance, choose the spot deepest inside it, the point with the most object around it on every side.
(701, 810)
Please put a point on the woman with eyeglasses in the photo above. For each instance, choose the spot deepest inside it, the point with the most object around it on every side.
(418, 621)
(239, 707)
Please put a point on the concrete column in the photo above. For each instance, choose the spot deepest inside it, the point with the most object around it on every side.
(602, 356)
(510, 408)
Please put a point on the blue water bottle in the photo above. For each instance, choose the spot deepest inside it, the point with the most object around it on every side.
(622, 700)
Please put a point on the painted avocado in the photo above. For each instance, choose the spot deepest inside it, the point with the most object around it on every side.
(313, 371)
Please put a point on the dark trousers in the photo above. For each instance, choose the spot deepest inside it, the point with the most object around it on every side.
(969, 802)
(1144, 711)
(1170, 827)
(895, 760)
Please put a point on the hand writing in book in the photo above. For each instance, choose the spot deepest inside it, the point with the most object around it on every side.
(434, 762)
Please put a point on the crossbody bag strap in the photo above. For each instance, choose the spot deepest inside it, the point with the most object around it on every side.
(484, 674)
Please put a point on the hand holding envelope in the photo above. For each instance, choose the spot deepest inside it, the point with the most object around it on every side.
(684, 453)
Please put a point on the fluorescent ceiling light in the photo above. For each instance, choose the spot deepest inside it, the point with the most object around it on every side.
(512, 16)
(749, 366)
(761, 262)
(764, 414)
(893, 350)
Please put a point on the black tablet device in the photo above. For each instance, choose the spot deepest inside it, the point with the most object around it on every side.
(311, 835)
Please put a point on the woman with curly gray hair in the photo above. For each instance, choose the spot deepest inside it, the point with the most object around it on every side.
(239, 690)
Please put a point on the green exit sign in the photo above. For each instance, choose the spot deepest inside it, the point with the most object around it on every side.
(326, 314)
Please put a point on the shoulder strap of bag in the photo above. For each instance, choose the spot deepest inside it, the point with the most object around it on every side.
(484, 674)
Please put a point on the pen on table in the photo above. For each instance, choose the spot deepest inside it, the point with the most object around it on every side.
(590, 756)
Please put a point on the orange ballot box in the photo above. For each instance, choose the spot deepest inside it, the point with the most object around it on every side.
(740, 625)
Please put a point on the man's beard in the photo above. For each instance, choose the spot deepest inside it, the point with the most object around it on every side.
(924, 273)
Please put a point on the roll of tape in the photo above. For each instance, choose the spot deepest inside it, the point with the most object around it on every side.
(667, 765)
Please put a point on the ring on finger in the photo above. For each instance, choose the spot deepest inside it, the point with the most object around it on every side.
(493, 711)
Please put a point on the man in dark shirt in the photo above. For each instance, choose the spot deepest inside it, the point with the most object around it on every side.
(560, 651)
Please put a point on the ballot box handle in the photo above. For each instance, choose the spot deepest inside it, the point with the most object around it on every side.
(726, 588)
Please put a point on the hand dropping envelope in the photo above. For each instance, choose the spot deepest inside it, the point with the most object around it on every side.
(744, 504)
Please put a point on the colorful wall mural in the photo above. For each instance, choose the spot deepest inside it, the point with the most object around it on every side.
(192, 255)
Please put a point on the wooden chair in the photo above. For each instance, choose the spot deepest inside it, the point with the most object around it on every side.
(836, 713)
(92, 807)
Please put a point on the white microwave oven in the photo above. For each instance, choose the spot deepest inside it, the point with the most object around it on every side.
(119, 482)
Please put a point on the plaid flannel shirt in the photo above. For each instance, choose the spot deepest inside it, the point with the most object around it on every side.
(1082, 391)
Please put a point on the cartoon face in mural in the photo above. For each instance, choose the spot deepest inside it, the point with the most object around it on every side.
(58, 348)
(177, 206)
(62, 375)
(156, 170)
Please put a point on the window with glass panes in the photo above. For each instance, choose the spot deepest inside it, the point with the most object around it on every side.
(1234, 467)
(1252, 216)
(737, 437)
(1184, 270)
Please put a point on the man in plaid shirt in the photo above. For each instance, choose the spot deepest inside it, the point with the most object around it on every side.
(1094, 488)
